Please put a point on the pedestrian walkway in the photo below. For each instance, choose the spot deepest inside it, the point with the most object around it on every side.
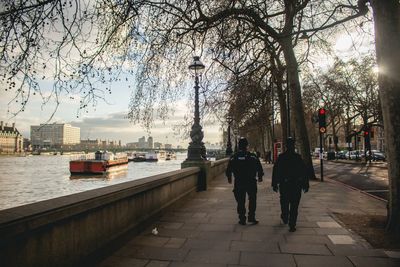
(204, 231)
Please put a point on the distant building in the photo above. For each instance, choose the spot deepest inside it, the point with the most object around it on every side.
(54, 135)
(104, 144)
(91, 144)
(150, 142)
(132, 145)
(215, 146)
(377, 139)
(167, 146)
(11, 141)
(99, 144)
(142, 142)
(157, 145)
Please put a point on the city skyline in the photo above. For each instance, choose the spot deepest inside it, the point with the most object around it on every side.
(83, 136)
(105, 120)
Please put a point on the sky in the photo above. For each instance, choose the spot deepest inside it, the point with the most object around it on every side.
(105, 121)
(108, 120)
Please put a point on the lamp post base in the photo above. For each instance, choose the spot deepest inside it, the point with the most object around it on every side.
(229, 151)
(196, 151)
(205, 172)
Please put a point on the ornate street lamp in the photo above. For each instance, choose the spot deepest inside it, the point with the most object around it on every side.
(236, 132)
(196, 149)
(229, 151)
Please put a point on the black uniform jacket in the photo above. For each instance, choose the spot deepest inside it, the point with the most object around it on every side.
(290, 169)
(244, 166)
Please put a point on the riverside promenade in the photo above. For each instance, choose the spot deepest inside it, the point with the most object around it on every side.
(203, 230)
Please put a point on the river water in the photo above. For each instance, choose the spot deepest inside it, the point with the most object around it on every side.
(30, 179)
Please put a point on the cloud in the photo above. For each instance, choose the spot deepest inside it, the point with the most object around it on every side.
(106, 122)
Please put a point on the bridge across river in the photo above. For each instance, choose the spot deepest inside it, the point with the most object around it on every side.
(113, 226)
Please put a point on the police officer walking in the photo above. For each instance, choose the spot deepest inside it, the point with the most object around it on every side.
(245, 166)
(289, 175)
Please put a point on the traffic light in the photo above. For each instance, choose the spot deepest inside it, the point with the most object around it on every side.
(367, 137)
(322, 120)
(366, 133)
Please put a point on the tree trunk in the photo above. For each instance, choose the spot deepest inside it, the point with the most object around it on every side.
(282, 108)
(334, 132)
(262, 132)
(296, 104)
(271, 140)
(387, 41)
(267, 129)
(335, 148)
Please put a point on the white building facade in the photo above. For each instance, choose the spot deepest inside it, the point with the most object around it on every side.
(54, 135)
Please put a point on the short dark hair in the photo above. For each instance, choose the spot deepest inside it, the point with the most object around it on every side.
(290, 143)
(243, 143)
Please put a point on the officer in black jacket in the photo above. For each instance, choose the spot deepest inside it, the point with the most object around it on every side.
(245, 166)
(289, 175)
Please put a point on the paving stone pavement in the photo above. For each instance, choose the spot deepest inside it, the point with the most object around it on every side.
(204, 231)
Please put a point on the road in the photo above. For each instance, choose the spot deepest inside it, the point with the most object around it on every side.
(370, 179)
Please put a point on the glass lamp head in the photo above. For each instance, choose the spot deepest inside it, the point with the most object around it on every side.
(197, 67)
(229, 119)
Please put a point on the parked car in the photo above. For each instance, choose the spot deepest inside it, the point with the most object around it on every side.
(341, 154)
(377, 155)
(316, 152)
(355, 154)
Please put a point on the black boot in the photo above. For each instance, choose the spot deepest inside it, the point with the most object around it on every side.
(284, 219)
(253, 220)
(242, 220)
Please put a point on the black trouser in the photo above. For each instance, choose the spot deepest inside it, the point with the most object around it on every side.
(240, 191)
(290, 198)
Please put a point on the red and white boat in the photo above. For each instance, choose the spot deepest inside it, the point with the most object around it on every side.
(97, 163)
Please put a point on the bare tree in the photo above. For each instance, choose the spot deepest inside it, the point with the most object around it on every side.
(349, 91)
(158, 38)
(322, 88)
(68, 42)
(250, 106)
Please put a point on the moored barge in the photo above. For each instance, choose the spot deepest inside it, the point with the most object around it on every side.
(100, 164)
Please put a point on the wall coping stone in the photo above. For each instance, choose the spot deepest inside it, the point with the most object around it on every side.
(219, 162)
